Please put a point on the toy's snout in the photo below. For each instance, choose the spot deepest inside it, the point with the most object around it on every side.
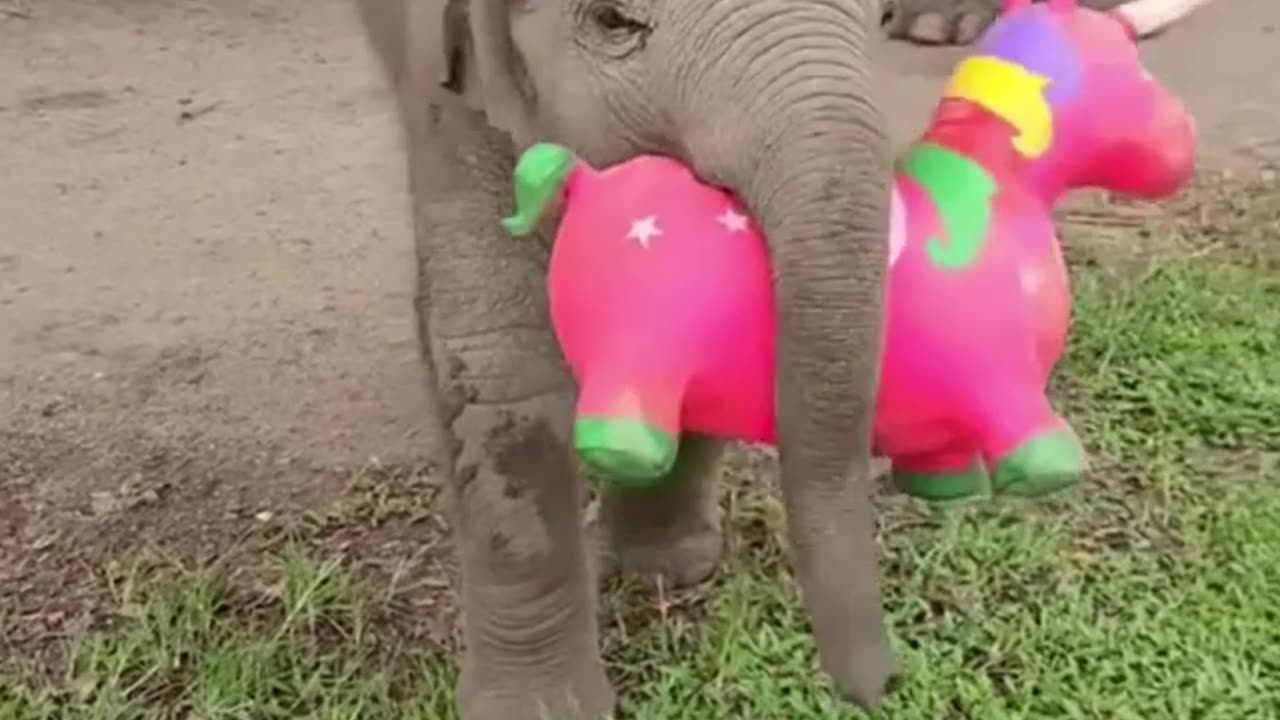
(1159, 156)
(1175, 146)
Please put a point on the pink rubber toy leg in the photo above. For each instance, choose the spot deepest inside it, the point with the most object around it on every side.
(1032, 452)
(628, 424)
(940, 476)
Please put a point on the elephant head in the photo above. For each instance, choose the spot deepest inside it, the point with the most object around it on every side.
(773, 100)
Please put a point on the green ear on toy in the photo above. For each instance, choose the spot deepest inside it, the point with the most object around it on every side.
(539, 179)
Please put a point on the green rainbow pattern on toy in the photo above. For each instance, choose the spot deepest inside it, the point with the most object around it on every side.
(963, 192)
(540, 176)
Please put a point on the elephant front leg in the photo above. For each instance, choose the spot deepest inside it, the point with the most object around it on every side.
(669, 530)
(506, 400)
(528, 605)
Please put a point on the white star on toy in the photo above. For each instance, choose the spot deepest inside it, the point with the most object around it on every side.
(644, 230)
(733, 221)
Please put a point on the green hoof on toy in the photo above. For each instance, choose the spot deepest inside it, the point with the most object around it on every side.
(627, 452)
(942, 486)
(1041, 466)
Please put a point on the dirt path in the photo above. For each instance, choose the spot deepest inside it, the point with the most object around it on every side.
(204, 256)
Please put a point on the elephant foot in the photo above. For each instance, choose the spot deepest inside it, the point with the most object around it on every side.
(680, 560)
(681, 556)
(670, 530)
(950, 22)
(495, 694)
(939, 22)
(942, 485)
(1041, 466)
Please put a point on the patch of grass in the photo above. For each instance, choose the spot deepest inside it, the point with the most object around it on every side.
(1153, 592)
(1185, 356)
(189, 644)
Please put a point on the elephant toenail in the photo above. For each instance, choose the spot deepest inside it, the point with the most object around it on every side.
(930, 28)
(969, 27)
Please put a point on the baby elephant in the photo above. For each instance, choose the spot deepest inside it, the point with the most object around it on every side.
(661, 291)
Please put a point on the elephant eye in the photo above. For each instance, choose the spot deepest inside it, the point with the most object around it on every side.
(610, 18)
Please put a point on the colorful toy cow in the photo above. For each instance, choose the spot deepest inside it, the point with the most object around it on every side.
(661, 295)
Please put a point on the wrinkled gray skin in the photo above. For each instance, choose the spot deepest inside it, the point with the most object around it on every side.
(951, 22)
(771, 98)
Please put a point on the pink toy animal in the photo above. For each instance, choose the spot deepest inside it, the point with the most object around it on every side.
(662, 299)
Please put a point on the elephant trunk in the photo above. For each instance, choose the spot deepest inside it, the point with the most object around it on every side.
(798, 134)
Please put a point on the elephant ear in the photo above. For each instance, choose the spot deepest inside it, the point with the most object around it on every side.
(505, 94)
(386, 24)
(464, 46)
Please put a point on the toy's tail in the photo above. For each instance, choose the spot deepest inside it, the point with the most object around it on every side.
(539, 180)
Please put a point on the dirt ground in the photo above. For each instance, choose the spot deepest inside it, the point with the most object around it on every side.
(205, 270)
